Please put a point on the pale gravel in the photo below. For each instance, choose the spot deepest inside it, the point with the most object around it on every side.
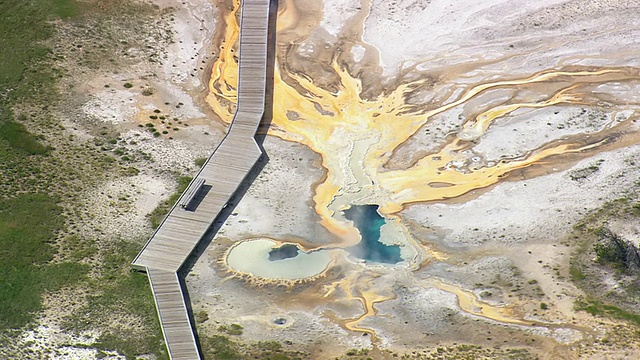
(337, 13)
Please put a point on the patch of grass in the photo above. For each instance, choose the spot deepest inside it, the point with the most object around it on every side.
(576, 274)
(220, 347)
(30, 220)
(598, 308)
(66, 8)
(21, 36)
(19, 138)
(127, 297)
(223, 347)
(77, 248)
(201, 316)
(28, 224)
(616, 259)
(269, 345)
(635, 209)
(614, 251)
(233, 329)
(120, 305)
(584, 173)
(284, 357)
(158, 214)
(120, 293)
(127, 342)
(24, 25)
(200, 161)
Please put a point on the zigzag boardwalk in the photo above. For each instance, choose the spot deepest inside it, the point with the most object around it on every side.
(211, 189)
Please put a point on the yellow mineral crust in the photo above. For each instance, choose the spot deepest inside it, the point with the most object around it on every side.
(361, 287)
(469, 303)
(356, 136)
(330, 123)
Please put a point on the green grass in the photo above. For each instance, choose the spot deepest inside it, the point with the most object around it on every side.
(17, 136)
(65, 8)
(24, 25)
(233, 329)
(576, 273)
(28, 224)
(128, 297)
(120, 293)
(200, 161)
(158, 214)
(32, 180)
(220, 347)
(29, 220)
(598, 308)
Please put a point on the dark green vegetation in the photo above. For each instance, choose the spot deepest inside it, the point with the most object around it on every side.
(223, 347)
(455, 352)
(18, 138)
(29, 220)
(119, 293)
(597, 308)
(27, 226)
(603, 257)
(158, 214)
(614, 251)
(581, 174)
(200, 161)
(24, 25)
(42, 174)
(24, 77)
(45, 252)
(233, 329)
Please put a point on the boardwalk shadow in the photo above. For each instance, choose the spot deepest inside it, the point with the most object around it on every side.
(271, 61)
(251, 176)
(197, 199)
(260, 164)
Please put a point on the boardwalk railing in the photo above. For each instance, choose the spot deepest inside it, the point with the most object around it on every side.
(225, 170)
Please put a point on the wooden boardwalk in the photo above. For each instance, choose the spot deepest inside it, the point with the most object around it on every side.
(223, 173)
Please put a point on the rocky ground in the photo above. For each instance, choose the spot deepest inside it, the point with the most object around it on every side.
(496, 280)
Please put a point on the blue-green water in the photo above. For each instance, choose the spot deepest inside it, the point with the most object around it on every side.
(368, 222)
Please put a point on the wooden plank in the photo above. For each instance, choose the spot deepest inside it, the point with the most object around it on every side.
(172, 312)
(191, 192)
(225, 170)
